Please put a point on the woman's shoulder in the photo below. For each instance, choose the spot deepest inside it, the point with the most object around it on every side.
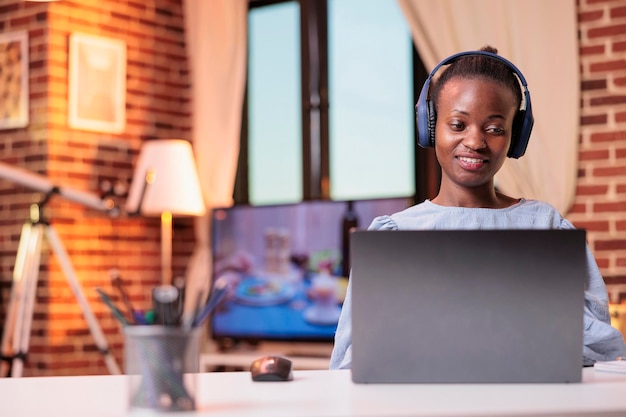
(390, 221)
(543, 209)
(535, 206)
(412, 215)
(529, 202)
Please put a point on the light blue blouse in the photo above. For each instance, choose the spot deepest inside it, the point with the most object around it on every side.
(601, 341)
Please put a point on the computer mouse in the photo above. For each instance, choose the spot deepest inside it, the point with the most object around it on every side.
(271, 368)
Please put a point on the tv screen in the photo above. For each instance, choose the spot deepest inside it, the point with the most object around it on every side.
(283, 266)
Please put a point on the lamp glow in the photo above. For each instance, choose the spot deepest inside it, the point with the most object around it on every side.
(165, 183)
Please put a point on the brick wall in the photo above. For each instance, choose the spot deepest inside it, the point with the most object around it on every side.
(157, 106)
(600, 204)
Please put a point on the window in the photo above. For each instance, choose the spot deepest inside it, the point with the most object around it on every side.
(371, 100)
(274, 103)
(329, 105)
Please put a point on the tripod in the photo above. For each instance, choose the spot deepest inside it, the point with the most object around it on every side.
(16, 335)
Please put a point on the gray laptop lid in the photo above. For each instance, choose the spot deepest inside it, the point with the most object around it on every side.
(467, 306)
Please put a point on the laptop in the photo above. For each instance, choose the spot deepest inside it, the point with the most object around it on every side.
(467, 306)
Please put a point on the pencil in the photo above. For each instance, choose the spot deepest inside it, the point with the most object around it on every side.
(116, 311)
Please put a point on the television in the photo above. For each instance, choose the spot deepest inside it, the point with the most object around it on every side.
(284, 268)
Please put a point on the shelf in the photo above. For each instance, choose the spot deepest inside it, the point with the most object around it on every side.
(303, 356)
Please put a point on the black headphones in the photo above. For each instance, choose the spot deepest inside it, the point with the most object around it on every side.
(426, 116)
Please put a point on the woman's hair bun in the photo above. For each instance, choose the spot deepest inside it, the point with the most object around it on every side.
(489, 49)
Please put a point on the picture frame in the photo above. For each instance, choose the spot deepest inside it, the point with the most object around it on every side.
(14, 102)
(97, 83)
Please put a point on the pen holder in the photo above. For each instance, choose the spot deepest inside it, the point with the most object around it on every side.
(162, 364)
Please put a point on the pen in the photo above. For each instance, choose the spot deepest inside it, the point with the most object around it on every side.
(148, 317)
(188, 318)
(165, 300)
(179, 283)
(116, 280)
(116, 311)
(219, 290)
(139, 317)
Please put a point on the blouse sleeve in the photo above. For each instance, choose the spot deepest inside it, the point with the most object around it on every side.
(383, 223)
(601, 341)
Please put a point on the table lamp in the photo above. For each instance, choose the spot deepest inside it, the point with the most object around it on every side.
(165, 183)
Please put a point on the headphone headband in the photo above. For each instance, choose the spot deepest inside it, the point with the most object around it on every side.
(426, 115)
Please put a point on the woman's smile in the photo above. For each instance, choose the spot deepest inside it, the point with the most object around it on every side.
(471, 164)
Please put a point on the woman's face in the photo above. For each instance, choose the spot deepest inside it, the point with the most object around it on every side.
(473, 130)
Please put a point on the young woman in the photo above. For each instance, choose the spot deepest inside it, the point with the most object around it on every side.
(475, 115)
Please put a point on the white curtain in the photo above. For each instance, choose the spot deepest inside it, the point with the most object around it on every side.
(215, 34)
(540, 38)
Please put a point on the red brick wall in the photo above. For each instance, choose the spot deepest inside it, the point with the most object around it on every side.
(157, 106)
(600, 204)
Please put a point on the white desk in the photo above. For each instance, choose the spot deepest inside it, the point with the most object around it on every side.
(322, 393)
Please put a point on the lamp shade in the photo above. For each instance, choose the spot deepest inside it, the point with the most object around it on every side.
(166, 180)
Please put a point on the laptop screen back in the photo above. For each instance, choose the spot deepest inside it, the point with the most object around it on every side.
(467, 306)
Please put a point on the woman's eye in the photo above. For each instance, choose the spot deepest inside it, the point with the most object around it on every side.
(495, 130)
(457, 126)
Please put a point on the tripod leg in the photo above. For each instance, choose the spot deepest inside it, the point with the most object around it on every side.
(19, 315)
(31, 273)
(94, 327)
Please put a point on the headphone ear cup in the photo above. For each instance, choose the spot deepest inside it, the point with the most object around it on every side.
(517, 125)
(520, 134)
(432, 122)
(421, 117)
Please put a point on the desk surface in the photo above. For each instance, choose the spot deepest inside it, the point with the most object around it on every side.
(319, 394)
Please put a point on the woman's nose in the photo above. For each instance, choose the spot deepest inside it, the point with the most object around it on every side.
(475, 139)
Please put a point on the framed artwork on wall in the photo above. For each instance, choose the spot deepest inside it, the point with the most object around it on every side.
(97, 83)
(13, 80)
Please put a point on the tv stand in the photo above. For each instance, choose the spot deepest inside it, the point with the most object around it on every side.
(239, 357)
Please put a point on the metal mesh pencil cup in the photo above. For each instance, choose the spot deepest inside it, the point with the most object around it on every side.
(162, 364)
